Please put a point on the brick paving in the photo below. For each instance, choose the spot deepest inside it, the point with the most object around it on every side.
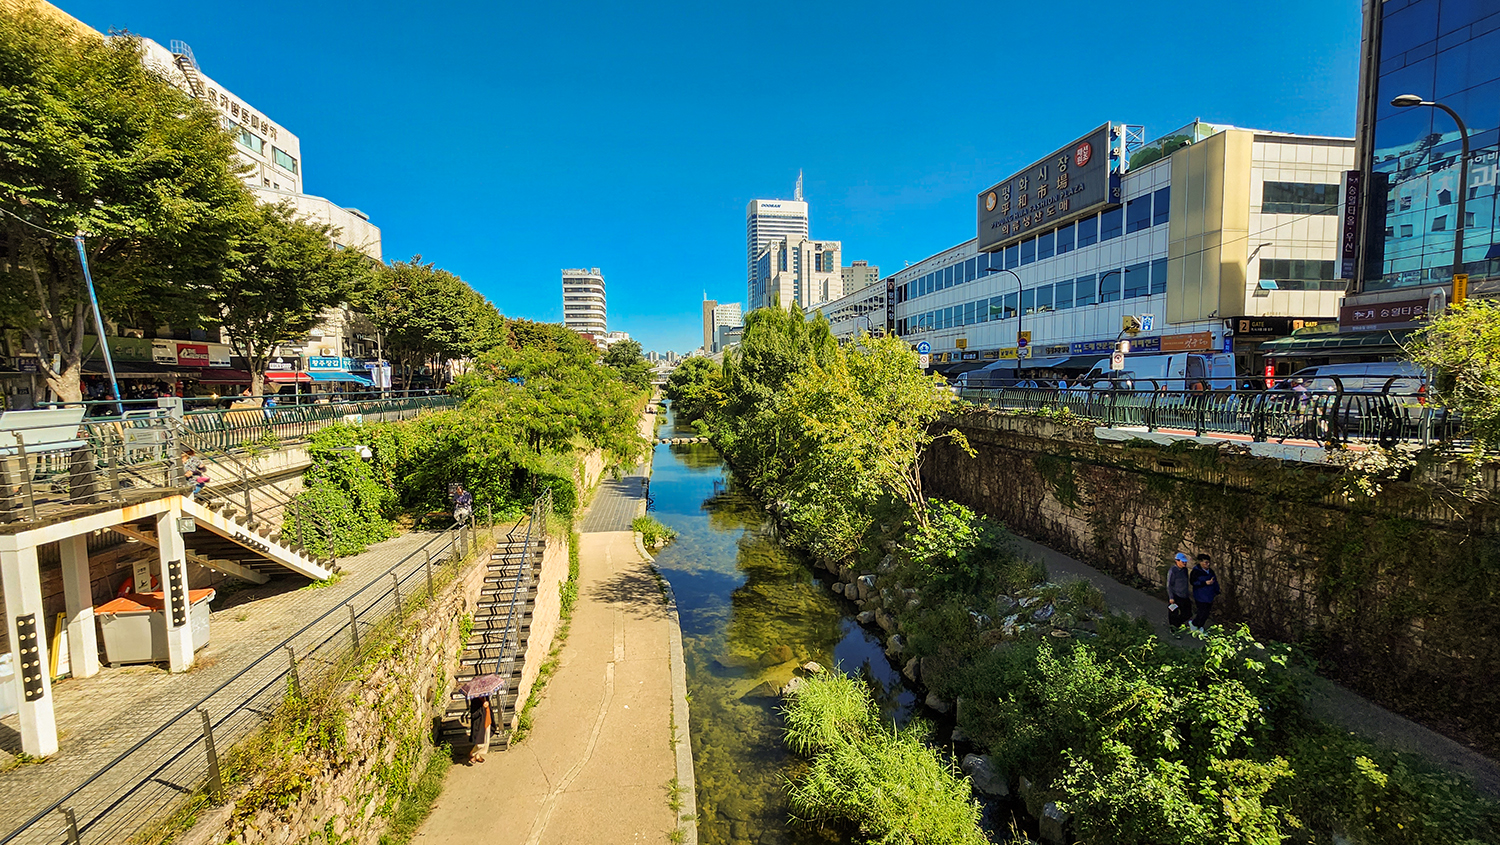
(100, 717)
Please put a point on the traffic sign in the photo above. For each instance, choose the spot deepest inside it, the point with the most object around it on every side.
(1023, 340)
(924, 348)
(923, 360)
(1460, 288)
(1147, 321)
(1117, 360)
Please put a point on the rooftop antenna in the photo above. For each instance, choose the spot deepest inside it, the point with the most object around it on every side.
(798, 195)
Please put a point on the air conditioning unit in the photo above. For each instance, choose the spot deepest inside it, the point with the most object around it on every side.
(325, 351)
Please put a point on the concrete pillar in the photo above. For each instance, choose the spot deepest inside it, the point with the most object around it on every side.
(174, 562)
(78, 592)
(23, 598)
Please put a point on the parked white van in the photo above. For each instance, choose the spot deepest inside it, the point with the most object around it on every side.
(1175, 371)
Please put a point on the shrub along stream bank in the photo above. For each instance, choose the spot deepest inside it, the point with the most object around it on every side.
(1098, 730)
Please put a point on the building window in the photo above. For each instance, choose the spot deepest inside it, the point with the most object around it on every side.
(1085, 291)
(1138, 214)
(283, 161)
(1159, 276)
(1028, 301)
(971, 269)
(1012, 256)
(1088, 232)
(969, 314)
(1298, 198)
(1065, 239)
(1028, 251)
(1299, 274)
(1406, 231)
(1111, 224)
(1044, 298)
(1440, 223)
(1044, 246)
(1161, 206)
(1109, 287)
(1011, 301)
(252, 142)
(1137, 280)
(1062, 294)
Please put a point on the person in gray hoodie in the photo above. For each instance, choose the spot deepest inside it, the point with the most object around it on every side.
(1179, 591)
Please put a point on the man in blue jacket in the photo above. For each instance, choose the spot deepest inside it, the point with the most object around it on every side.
(1205, 590)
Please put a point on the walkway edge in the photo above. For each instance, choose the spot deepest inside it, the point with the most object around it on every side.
(687, 815)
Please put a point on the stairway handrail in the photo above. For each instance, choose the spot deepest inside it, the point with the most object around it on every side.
(505, 662)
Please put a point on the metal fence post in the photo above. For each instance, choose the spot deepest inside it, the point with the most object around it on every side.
(353, 626)
(427, 565)
(490, 508)
(296, 681)
(72, 833)
(400, 605)
(453, 546)
(215, 778)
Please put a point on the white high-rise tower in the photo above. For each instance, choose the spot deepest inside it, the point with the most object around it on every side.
(768, 220)
(583, 301)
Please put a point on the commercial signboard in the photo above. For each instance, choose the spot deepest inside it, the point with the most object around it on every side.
(1382, 315)
(164, 351)
(331, 364)
(1076, 180)
(219, 355)
(192, 355)
(1349, 205)
(1269, 326)
(1194, 342)
(281, 365)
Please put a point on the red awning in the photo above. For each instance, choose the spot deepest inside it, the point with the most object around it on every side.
(285, 377)
(222, 377)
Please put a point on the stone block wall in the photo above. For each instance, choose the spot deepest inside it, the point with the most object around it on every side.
(348, 793)
(1394, 596)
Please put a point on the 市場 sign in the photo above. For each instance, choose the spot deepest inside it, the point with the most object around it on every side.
(1068, 184)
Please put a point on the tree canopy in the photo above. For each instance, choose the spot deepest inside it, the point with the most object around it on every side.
(627, 359)
(426, 313)
(93, 142)
(1462, 347)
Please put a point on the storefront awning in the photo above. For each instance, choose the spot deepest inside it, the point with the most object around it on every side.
(1342, 343)
(339, 376)
(284, 377)
(130, 369)
(223, 377)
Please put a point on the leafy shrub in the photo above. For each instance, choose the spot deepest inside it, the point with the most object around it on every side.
(653, 533)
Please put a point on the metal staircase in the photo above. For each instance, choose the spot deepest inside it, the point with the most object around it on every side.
(498, 642)
(182, 54)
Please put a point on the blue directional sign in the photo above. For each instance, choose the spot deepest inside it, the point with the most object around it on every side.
(924, 348)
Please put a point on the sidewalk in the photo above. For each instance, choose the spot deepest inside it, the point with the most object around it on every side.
(605, 746)
(1325, 698)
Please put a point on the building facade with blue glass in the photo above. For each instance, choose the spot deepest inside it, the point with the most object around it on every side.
(1441, 51)
(1214, 241)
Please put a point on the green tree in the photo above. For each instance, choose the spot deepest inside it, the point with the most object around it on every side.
(427, 315)
(1462, 347)
(626, 358)
(694, 388)
(93, 142)
(280, 276)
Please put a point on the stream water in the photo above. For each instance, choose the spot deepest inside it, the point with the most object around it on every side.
(752, 611)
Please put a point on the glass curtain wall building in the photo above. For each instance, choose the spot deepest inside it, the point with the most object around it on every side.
(1446, 51)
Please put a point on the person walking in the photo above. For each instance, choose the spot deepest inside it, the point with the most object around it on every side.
(1205, 589)
(1179, 595)
(194, 470)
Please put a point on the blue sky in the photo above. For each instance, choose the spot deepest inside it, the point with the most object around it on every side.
(505, 141)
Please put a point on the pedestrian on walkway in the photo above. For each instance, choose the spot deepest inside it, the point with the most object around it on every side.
(194, 470)
(479, 729)
(1205, 590)
(1179, 595)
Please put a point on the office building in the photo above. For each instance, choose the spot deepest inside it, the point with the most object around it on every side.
(1409, 161)
(767, 221)
(797, 273)
(583, 301)
(864, 310)
(717, 317)
(858, 275)
(1211, 238)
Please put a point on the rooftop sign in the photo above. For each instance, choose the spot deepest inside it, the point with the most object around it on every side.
(1076, 180)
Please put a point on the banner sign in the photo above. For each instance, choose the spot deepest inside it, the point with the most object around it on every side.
(1383, 315)
(192, 355)
(1349, 204)
(1076, 180)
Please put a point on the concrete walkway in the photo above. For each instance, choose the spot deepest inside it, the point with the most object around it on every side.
(1325, 698)
(609, 738)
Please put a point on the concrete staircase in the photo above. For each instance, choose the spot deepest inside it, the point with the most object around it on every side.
(241, 545)
(502, 628)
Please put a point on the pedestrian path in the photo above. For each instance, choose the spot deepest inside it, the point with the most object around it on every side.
(100, 717)
(607, 757)
(1325, 698)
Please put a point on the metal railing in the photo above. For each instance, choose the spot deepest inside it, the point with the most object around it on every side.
(1326, 418)
(138, 454)
(535, 533)
(186, 757)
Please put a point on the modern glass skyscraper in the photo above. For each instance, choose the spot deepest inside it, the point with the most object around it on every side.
(1444, 51)
(765, 221)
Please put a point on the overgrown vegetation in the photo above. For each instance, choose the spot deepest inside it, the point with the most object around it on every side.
(654, 535)
(531, 406)
(886, 781)
(1463, 348)
(1140, 741)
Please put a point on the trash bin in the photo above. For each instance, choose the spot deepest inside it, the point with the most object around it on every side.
(133, 628)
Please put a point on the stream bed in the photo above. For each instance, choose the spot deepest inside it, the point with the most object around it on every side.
(752, 612)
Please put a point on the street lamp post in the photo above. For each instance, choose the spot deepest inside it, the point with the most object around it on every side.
(1019, 286)
(1406, 101)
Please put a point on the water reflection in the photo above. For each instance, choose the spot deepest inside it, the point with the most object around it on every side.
(752, 612)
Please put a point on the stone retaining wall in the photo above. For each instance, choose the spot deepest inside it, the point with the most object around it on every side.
(1394, 595)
